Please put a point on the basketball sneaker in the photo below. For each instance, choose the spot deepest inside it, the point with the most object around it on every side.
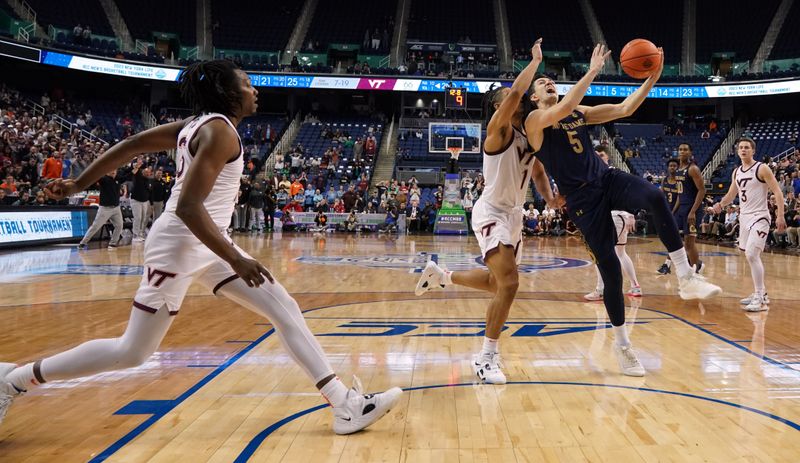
(361, 410)
(635, 291)
(487, 368)
(699, 266)
(664, 269)
(432, 277)
(748, 299)
(7, 391)
(628, 361)
(595, 295)
(695, 286)
(82, 247)
(757, 303)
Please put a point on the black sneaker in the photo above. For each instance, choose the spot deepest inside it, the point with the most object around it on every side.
(699, 266)
(664, 269)
(83, 247)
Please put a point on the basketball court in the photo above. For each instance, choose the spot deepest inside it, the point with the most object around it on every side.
(722, 385)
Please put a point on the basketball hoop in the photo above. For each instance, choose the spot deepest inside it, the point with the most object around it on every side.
(455, 151)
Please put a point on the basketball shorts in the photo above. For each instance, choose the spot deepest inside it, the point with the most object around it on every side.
(495, 227)
(622, 223)
(682, 220)
(173, 259)
(753, 231)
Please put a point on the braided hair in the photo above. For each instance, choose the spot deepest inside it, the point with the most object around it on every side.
(211, 87)
(491, 98)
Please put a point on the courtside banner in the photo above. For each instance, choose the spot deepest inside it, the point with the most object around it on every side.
(26, 226)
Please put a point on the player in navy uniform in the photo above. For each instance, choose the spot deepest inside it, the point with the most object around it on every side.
(691, 191)
(672, 190)
(558, 133)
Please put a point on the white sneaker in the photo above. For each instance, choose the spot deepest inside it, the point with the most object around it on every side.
(362, 410)
(595, 295)
(432, 277)
(746, 301)
(628, 361)
(757, 303)
(7, 391)
(635, 291)
(695, 286)
(487, 368)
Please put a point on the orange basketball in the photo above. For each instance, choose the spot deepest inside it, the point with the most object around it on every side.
(639, 58)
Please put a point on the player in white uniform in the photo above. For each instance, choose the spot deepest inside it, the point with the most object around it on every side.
(624, 222)
(753, 181)
(508, 165)
(189, 243)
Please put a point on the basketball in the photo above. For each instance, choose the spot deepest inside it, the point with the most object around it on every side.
(639, 58)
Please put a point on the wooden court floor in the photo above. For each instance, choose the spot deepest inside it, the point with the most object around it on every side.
(723, 385)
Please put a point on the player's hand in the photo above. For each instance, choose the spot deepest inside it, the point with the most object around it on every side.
(536, 51)
(717, 208)
(780, 224)
(657, 73)
(60, 188)
(557, 202)
(599, 56)
(251, 271)
(692, 219)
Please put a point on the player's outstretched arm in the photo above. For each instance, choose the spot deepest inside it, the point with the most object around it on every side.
(504, 114)
(769, 178)
(541, 118)
(542, 183)
(610, 112)
(161, 138)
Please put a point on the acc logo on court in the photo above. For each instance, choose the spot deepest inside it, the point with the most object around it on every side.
(415, 263)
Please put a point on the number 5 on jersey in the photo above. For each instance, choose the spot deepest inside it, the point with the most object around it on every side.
(577, 146)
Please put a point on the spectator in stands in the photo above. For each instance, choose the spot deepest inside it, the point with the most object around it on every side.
(705, 135)
(6, 200)
(109, 210)
(793, 227)
(53, 167)
(140, 199)
(10, 186)
(731, 226)
(255, 203)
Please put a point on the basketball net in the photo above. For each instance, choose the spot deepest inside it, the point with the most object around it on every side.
(454, 152)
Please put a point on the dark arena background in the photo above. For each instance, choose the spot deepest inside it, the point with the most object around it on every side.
(362, 166)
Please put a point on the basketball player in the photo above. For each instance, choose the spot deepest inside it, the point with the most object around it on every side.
(691, 191)
(672, 190)
(558, 133)
(508, 165)
(624, 222)
(188, 243)
(752, 181)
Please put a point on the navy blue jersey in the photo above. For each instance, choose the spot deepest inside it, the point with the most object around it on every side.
(688, 191)
(672, 191)
(568, 155)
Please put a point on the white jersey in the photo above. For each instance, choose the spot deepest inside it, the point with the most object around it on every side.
(507, 173)
(753, 191)
(221, 201)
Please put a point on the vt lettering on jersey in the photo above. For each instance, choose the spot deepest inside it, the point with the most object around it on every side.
(158, 275)
(448, 328)
(742, 182)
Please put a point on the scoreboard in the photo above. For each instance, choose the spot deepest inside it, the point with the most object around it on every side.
(455, 98)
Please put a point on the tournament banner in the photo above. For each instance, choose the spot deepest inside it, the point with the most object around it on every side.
(451, 218)
(28, 225)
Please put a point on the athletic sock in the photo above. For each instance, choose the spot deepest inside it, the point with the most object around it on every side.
(334, 392)
(490, 346)
(447, 278)
(621, 336)
(23, 378)
(681, 262)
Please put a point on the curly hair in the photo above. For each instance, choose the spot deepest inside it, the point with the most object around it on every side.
(211, 87)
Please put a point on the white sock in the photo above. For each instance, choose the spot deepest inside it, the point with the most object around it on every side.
(621, 336)
(447, 277)
(681, 262)
(335, 392)
(627, 265)
(668, 263)
(23, 378)
(600, 285)
(490, 346)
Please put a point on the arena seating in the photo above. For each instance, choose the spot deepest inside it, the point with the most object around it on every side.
(315, 146)
(732, 29)
(345, 21)
(69, 13)
(176, 16)
(772, 138)
(625, 20)
(787, 45)
(266, 31)
(655, 154)
(435, 20)
(529, 21)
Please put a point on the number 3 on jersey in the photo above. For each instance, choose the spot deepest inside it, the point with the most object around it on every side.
(577, 146)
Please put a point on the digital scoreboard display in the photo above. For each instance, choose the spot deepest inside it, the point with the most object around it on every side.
(455, 98)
